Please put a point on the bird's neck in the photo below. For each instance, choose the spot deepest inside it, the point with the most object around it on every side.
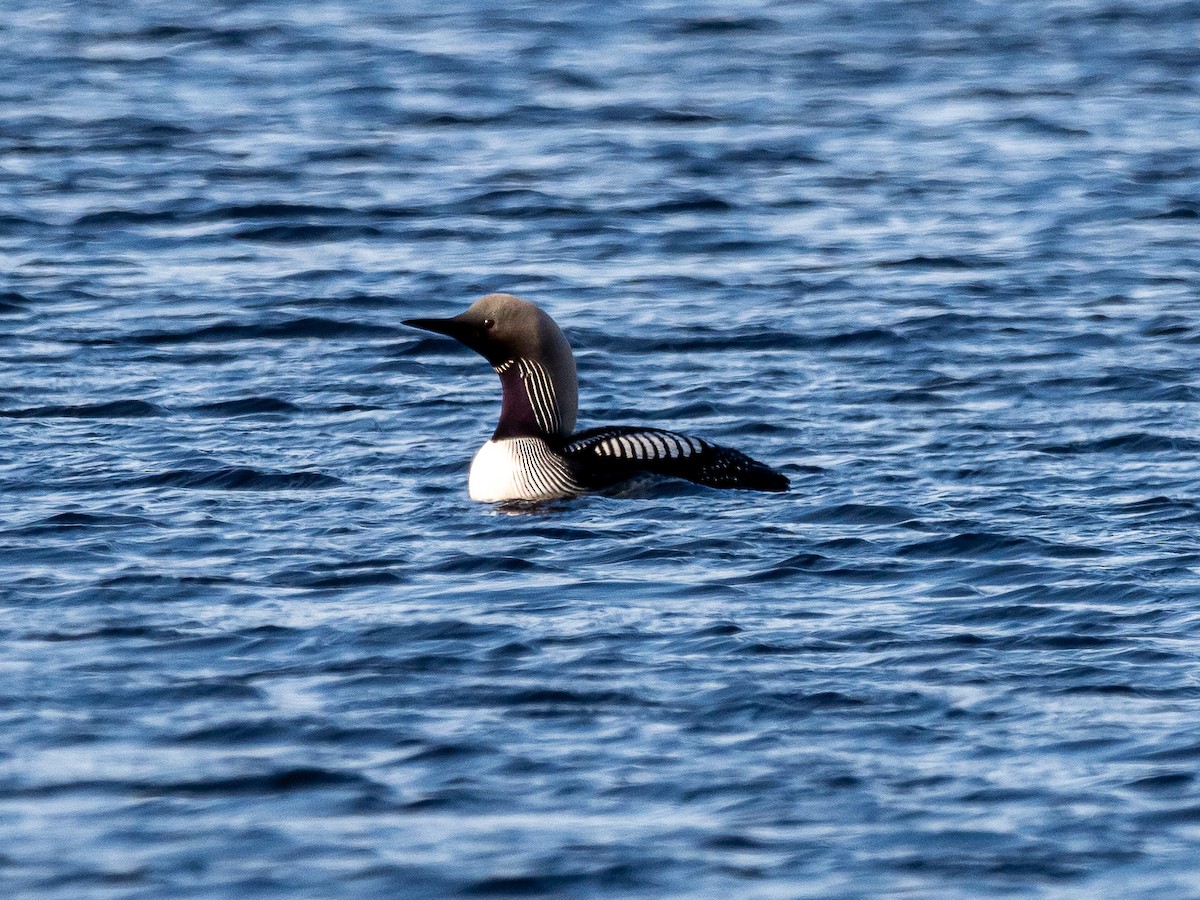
(535, 402)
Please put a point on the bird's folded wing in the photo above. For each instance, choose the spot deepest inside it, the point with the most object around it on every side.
(609, 454)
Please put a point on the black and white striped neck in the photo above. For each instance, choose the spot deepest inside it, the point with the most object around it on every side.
(531, 404)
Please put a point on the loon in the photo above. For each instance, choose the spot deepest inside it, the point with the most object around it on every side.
(535, 453)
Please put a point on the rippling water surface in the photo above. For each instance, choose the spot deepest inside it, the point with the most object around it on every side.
(937, 261)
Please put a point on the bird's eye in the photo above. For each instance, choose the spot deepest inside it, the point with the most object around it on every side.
(489, 324)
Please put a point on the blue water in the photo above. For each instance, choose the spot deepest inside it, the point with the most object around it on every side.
(937, 261)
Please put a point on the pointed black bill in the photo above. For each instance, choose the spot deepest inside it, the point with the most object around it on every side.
(450, 327)
(463, 328)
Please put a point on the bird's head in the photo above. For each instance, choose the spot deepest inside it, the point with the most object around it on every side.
(505, 330)
(500, 327)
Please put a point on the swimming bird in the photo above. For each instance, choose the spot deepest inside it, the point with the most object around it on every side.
(535, 453)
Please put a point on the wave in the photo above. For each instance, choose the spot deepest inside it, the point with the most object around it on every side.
(247, 406)
(988, 545)
(115, 409)
(701, 340)
(281, 781)
(306, 234)
(11, 302)
(861, 514)
(1133, 442)
(309, 327)
(237, 478)
(942, 263)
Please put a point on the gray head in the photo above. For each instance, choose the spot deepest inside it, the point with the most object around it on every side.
(531, 355)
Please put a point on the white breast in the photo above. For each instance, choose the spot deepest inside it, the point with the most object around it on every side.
(519, 469)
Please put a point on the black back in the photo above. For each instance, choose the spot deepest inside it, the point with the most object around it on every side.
(600, 457)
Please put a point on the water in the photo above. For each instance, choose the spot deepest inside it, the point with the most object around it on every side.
(937, 261)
